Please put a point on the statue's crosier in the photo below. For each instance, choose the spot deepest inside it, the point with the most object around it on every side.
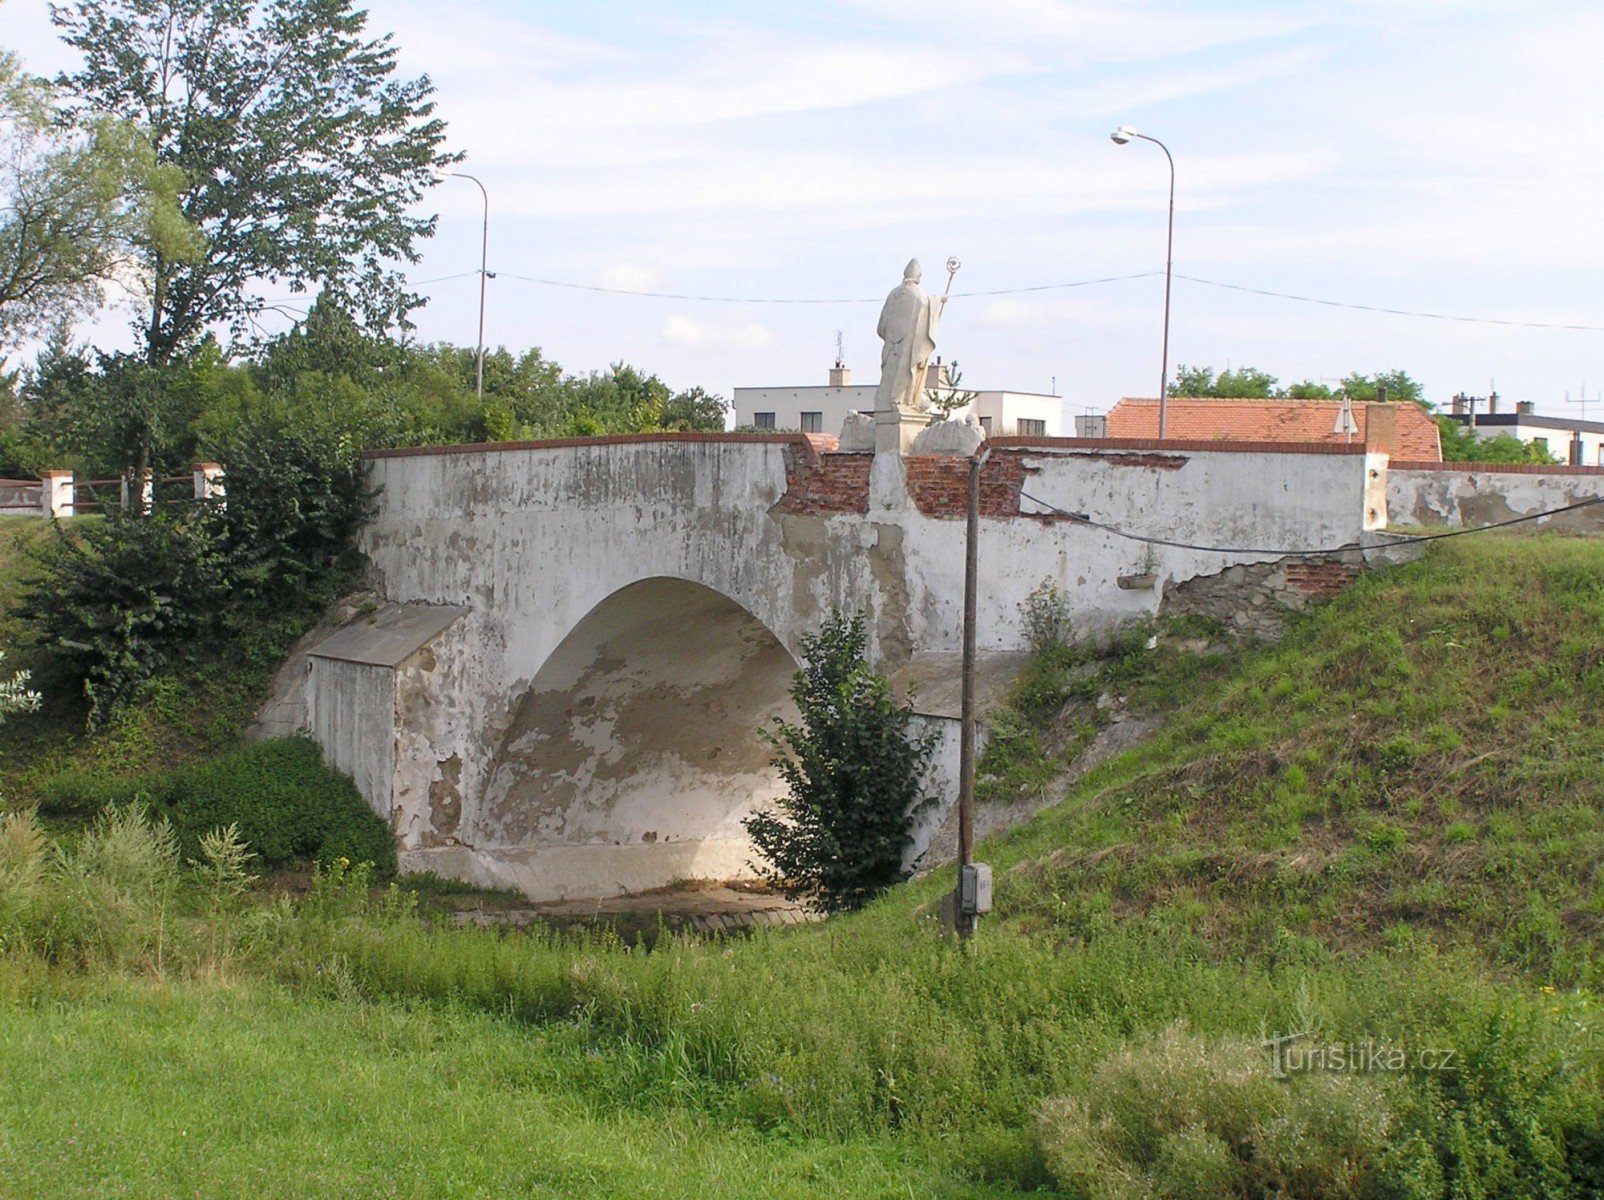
(908, 325)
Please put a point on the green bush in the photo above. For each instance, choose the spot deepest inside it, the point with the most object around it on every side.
(286, 805)
(854, 770)
(296, 494)
(1175, 1118)
(125, 596)
(122, 599)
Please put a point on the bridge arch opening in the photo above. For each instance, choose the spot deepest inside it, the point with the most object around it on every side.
(635, 754)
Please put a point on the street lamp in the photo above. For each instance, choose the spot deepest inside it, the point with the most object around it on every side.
(484, 250)
(1120, 136)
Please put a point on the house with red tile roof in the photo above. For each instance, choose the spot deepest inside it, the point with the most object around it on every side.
(1414, 436)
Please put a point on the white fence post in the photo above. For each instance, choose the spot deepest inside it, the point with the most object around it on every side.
(209, 481)
(56, 494)
(147, 491)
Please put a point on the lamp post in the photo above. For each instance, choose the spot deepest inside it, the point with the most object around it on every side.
(1120, 136)
(484, 251)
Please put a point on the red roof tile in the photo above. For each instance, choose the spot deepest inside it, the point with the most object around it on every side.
(1271, 421)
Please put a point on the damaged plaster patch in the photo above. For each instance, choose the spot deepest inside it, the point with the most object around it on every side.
(656, 731)
(445, 804)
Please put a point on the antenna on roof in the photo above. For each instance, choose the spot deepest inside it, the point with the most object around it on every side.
(840, 350)
(1345, 422)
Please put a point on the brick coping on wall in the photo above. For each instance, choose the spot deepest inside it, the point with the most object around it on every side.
(822, 443)
(1477, 468)
(1189, 446)
(813, 443)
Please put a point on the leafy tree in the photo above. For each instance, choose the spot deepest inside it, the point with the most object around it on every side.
(950, 400)
(1245, 383)
(1460, 443)
(300, 152)
(695, 410)
(853, 766)
(1251, 383)
(74, 196)
(1399, 386)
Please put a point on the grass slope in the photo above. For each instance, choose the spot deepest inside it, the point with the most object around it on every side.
(1420, 762)
(208, 1091)
(1385, 830)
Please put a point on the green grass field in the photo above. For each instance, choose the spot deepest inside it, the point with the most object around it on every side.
(1386, 830)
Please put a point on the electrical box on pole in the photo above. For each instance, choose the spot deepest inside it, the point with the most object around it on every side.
(974, 889)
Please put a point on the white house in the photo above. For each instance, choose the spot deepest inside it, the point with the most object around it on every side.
(1579, 443)
(824, 409)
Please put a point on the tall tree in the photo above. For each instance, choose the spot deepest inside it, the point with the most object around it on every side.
(300, 151)
(74, 196)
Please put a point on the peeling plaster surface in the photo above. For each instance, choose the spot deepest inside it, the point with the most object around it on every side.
(1470, 495)
(633, 611)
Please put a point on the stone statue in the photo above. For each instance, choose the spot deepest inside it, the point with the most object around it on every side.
(908, 325)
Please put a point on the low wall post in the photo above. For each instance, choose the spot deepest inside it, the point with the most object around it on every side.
(209, 481)
(56, 493)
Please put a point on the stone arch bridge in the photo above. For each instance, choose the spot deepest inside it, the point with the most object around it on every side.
(576, 642)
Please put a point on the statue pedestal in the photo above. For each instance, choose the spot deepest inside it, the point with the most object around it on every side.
(894, 430)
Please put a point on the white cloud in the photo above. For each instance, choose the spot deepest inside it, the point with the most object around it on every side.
(737, 334)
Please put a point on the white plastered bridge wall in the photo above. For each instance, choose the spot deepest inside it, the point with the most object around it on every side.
(585, 636)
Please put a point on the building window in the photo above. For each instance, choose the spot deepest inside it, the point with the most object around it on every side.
(813, 422)
(985, 426)
(1029, 428)
(763, 420)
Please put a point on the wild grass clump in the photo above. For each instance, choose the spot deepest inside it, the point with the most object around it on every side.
(103, 902)
(1174, 1117)
(278, 795)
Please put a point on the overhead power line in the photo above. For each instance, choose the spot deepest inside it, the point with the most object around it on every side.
(1083, 519)
(1023, 290)
(1395, 312)
(614, 291)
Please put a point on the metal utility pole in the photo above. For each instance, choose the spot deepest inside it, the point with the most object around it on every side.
(973, 896)
(484, 274)
(1120, 137)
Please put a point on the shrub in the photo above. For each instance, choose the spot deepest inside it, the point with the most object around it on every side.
(296, 494)
(284, 803)
(854, 770)
(125, 596)
(107, 900)
(1174, 1118)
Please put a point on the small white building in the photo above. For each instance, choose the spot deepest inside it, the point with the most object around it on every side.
(824, 409)
(1572, 441)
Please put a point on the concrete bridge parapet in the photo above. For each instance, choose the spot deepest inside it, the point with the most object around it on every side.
(581, 638)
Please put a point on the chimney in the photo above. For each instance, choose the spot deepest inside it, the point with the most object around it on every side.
(1458, 405)
(1381, 393)
(936, 375)
(1381, 428)
(840, 376)
(1525, 408)
(1492, 402)
(1091, 426)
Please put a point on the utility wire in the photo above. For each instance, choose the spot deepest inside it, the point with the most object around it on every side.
(1019, 291)
(1396, 312)
(612, 291)
(1083, 519)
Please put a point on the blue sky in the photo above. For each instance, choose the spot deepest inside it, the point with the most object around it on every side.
(1434, 156)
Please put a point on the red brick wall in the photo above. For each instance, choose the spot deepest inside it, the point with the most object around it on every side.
(1320, 577)
(824, 484)
(939, 486)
